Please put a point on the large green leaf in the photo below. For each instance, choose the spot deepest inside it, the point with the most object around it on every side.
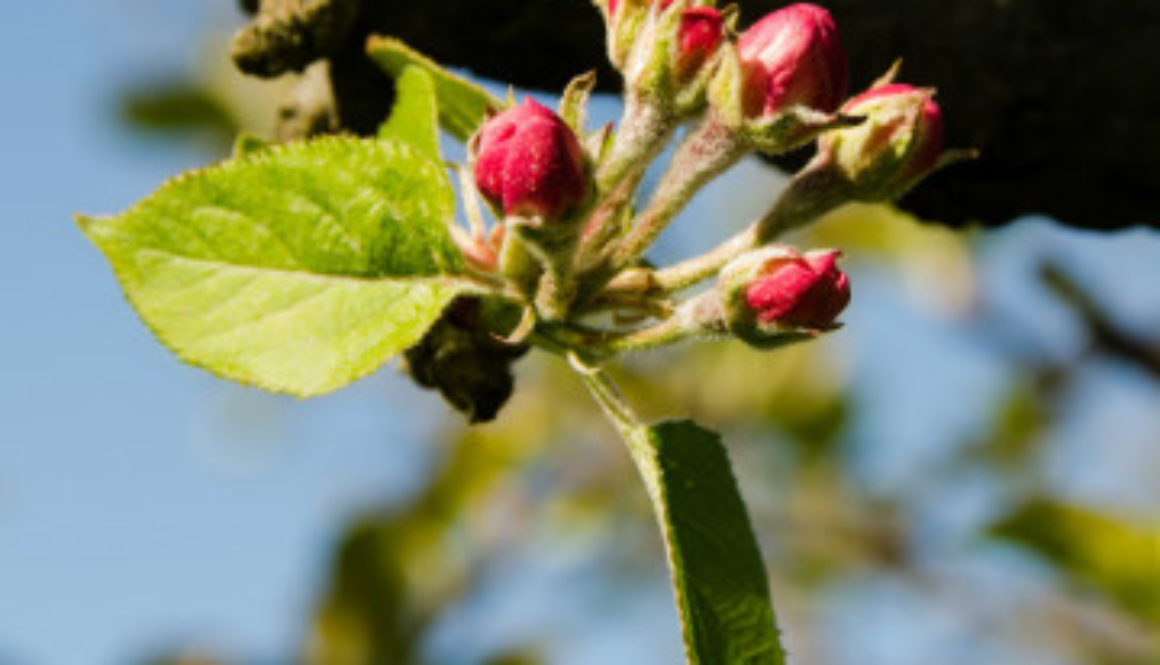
(298, 268)
(462, 104)
(718, 574)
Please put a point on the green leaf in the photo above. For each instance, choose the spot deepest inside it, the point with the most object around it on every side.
(717, 571)
(415, 117)
(462, 104)
(298, 268)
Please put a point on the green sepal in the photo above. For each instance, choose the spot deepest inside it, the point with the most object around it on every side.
(574, 103)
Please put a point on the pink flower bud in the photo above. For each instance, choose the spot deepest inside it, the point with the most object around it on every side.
(699, 36)
(804, 292)
(793, 56)
(776, 295)
(898, 143)
(927, 131)
(529, 163)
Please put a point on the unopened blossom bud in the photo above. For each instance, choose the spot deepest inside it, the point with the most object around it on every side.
(664, 50)
(777, 294)
(529, 163)
(898, 144)
(792, 57)
(625, 20)
(778, 87)
(699, 36)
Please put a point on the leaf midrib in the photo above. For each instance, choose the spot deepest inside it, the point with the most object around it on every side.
(445, 279)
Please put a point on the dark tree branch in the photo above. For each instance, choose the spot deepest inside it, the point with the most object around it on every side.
(1058, 96)
(1106, 337)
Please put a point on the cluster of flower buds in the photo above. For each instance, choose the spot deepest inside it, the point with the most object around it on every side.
(778, 84)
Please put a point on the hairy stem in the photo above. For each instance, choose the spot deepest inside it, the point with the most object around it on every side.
(816, 190)
(692, 271)
(813, 192)
(618, 410)
(645, 128)
(705, 153)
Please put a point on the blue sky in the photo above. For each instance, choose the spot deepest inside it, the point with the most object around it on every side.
(139, 505)
(128, 516)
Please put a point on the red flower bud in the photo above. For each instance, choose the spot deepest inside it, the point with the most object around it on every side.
(899, 142)
(776, 295)
(927, 131)
(529, 163)
(803, 292)
(793, 56)
(699, 36)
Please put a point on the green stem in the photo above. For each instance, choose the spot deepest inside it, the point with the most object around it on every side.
(618, 410)
(813, 192)
(816, 190)
(696, 317)
(682, 275)
(557, 289)
(645, 128)
(705, 153)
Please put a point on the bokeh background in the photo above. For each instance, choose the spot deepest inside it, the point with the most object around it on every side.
(969, 472)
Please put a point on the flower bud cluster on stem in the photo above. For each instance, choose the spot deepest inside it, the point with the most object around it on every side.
(571, 236)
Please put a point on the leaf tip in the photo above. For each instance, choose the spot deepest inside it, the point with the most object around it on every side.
(87, 223)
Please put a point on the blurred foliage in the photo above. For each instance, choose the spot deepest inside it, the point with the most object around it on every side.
(210, 104)
(179, 107)
(394, 572)
(1113, 555)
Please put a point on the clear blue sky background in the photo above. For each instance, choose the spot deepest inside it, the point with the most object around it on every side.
(140, 501)
(134, 507)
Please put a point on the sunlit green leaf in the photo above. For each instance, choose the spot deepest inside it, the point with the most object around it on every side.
(298, 268)
(415, 117)
(462, 104)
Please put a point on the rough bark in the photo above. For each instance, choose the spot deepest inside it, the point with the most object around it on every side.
(1058, 96)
